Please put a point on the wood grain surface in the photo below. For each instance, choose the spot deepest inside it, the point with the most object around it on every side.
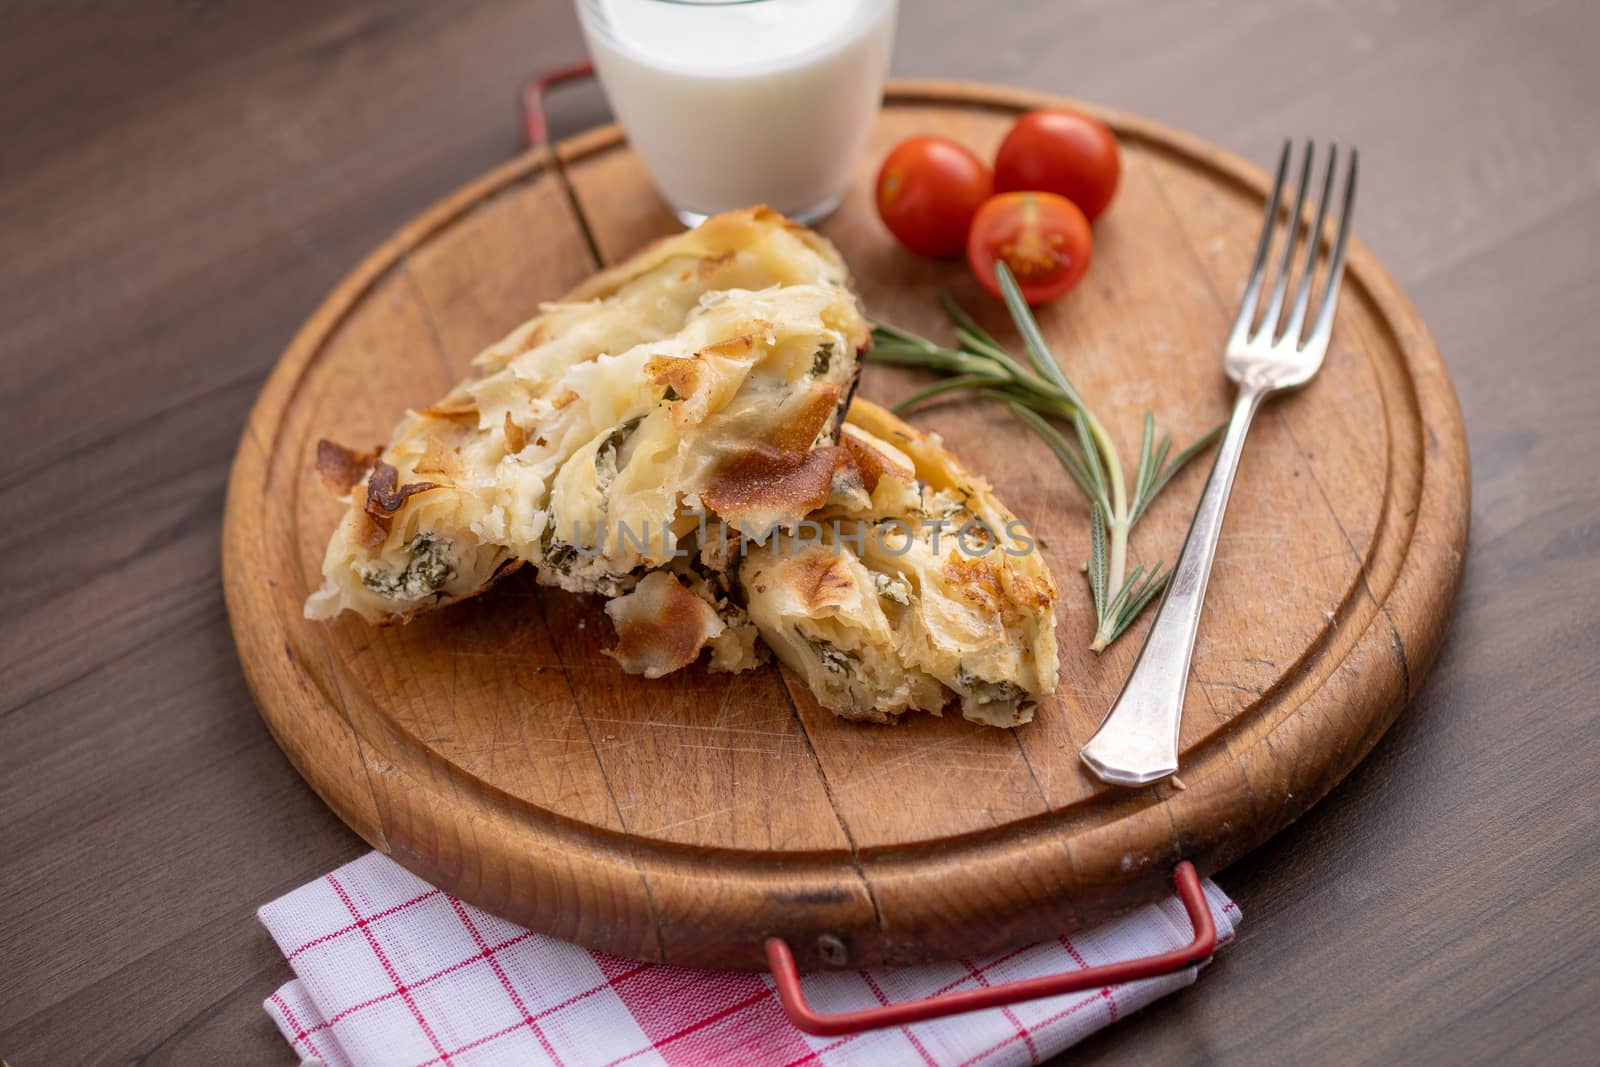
(181, 183)
(496, 751)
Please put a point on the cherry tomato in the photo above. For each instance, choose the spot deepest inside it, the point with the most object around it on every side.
(1042, 237)
(928, 190)
(1063, 152)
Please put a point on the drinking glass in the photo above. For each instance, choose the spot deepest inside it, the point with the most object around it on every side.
(731, 103)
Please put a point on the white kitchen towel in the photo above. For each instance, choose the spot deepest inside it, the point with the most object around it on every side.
(391, 972)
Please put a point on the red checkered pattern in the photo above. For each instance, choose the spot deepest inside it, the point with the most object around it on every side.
(390, 971)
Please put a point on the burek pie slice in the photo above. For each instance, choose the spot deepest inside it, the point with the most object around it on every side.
(706, 374)
(911, 588)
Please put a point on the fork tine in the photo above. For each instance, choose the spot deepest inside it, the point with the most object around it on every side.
(1269, 321)
(1302, 296)
(1252, 290)
(1324, 324)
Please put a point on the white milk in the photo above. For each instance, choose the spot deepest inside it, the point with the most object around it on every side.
(737, 103)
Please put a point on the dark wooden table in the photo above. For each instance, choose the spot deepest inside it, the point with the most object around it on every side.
(180, 183)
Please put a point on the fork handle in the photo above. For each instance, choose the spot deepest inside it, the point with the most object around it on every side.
(1138, 741)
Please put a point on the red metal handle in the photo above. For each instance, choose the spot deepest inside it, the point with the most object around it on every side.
(535, 130)
(781, 961)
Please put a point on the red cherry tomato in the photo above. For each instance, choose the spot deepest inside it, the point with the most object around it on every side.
(1042, 237)
(1062, 152)
(928, 190)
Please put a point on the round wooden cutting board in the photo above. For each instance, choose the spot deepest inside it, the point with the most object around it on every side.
(492, 748)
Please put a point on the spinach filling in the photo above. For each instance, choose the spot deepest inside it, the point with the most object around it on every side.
(606, 455)
(987, 692)
(427, 571)
(832, 657)
(558, 555)
(822, 360)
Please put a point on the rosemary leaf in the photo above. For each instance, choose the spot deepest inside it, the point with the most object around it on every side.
(1146, 458)
(1137, 604)
(975, 343)
(1092, 460)
(939, 388)
(904, 336)
(967, 328)
(946, 359)
(1047, 406)
(964, 321)
(1157, 464)
(1176, 465)
(1143, 497)
(895, 354)
(1033, 341)
(1097, 559)
(1114, 609)
(1069, 457)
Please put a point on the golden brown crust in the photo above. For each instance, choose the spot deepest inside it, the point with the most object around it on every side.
(799, 431)
(516, 439)
(682, 376)
(763, 479)
(783, 472)
(871, 463)
(819, 579)
(439, 458)
(661, 626)
(451, 411)
(343, 468)
(385, 495)
(734, 347)
(608, 280)
(978, 582)
(371, 533)
(710, 265)
(1028, 590)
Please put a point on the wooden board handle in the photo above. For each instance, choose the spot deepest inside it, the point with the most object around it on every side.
(535, 127)
(781, 960)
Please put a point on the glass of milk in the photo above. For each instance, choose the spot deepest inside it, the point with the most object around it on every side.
(731, 103)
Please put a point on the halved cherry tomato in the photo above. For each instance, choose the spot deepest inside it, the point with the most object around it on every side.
(1063, 152)
(928, 190)
(1042, 237)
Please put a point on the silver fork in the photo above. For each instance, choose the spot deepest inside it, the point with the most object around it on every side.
(1138, 742)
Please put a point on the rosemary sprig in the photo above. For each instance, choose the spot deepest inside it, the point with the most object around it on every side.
(1037, 391)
